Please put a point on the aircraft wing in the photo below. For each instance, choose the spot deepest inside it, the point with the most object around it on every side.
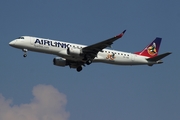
(92, 50)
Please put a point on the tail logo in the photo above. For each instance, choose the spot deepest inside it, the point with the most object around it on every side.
(152, 49)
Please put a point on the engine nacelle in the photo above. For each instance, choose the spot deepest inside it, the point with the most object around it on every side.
(59, 61)
(74, 51)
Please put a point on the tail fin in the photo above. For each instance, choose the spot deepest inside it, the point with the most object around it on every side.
(152, 49)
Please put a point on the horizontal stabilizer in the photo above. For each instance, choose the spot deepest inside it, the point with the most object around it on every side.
(159, 57)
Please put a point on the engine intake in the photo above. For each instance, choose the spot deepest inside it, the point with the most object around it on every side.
(59, 61)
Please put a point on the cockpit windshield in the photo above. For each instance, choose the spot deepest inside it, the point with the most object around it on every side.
(20, 38)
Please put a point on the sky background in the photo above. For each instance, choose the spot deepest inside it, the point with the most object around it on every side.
(33, 88)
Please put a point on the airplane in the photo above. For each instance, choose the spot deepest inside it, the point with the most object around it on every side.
(76, 56)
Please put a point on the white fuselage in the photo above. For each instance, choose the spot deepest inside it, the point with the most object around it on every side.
(59, 48)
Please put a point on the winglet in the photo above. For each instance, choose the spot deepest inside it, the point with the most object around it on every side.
(120, 35)
(124, 31)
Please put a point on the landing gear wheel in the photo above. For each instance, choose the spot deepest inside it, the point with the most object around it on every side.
(79, 68)
(88, 62)
(24, 55)
(24, 50)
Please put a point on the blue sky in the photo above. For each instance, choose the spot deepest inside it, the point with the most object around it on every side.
(100, 91)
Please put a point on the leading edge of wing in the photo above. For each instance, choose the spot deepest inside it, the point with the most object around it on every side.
(103, 44)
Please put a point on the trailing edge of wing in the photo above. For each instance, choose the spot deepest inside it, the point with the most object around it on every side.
(159, 57)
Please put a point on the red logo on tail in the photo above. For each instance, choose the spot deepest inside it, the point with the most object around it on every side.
(152, 50)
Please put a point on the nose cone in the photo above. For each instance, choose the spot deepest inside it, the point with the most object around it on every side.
(12, 43)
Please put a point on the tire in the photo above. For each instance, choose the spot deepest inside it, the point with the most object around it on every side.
(24, 55)
(79, 68)
(88, 62)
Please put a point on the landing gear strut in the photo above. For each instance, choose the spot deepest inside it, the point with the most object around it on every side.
(79, 68)
(87, 59)
(24, 50)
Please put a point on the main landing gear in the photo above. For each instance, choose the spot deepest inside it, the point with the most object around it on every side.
(24, 50)
(88, 62)
(79, 68)
(87, 59)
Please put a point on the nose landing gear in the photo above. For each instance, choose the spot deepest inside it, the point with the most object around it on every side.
(24, 50)
(25, 55)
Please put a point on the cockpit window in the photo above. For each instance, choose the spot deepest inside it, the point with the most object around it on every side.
(20, 38)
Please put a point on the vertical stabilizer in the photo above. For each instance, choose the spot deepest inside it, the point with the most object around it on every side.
(152, 49)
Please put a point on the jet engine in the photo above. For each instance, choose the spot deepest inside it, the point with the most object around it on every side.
(59, 61)
(74, 51)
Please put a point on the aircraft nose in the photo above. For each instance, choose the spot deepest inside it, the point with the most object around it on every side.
(12, 43)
